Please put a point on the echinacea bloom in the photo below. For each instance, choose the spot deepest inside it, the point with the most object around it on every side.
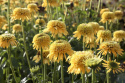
(110, 47)
(107, 16)
(56, 28)
(118, 14)
(21, 14)
(77, 62)
(95, 26)
(103, 35)
(93, 62)
(40, 22)
(17, 28)
(7, 39)
(59, 49)
(104, 10)
(119, 35)
(41, 40)
(45, 53)
(112, 65)
(86, 31)
(53, 3)
(5, 27)
(33, 8)
(91, 44)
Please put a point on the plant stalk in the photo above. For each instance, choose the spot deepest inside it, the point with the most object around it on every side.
(107, 74)
(93, 75)
(62, 74)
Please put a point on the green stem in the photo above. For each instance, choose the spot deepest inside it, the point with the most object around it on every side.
(11, 66)
(93, 75)
(44, 73)
(107, 74)
(54, 73)
(72, 78)
(62, 74)
(8, 14)
(42, 66)
(83, 78)
(98, 6)
(84, 5)
(106, 25)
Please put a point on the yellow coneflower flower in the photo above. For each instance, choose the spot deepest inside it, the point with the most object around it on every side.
(7, 39)
(112, 66)
(53, 3)
(33, 8)
(118, 35)
(103, 35)
(21, 14)
(41, 40)
(56, 28)
(107, 16)
(31, 1)
(104, 10)
(5, 27)
(2, 20)
(91, 44)
(77, 62)
(110, 47)
(45, 53)
(40, 22)
(76, 3)
(86, 31)
(118, 14)
(101, 27)
(95, 26)
(59, 49)
(93, 62)
(17, 28)
(123, 65)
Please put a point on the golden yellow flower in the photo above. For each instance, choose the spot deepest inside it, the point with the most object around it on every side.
(53, 3)
(59, 49)
(45, 53)
(21, 14)
(40, 22)
(33, 8)
(77, 62)
(7, 39)
(91, 44)
(86, 31)
(112, 66)
(107, 16)
(95, 26)
(104, 10)
(2, 20)
(118, 14)
(118, 35)
(56, 28)
(1, 1)
(103, 35)
(5, 27)
(41, 40)
(17, 28)
(31, 1)
(110, 47)
(93, 62)
(101, 27)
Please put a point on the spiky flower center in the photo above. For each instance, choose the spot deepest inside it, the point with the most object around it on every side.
(113, 65)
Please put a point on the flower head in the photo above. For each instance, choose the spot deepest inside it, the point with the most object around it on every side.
(33, 8)
(86, 31)
(17, 28)
(41, 40)
(7, 39)
(53, 3)
(93, 62)
(101, 27)
(56, 28)
(59, 49)
(110, 47)
(5, 27)
(112, 65)
(40, 22)
(2, 20)
(118, 14)
(104, 10)
(95, 26)
(104, 35)
(107, 16)
(78, 62)
(118, 35)
(21, 14)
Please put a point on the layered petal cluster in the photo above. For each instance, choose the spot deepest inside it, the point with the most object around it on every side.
(40, 22)
(17, 28)
(59, 49)
(104, 10)
(118, 14)
(56, 28)
(5, 27)
(7, 39)
(33, 8)
(53, 3)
